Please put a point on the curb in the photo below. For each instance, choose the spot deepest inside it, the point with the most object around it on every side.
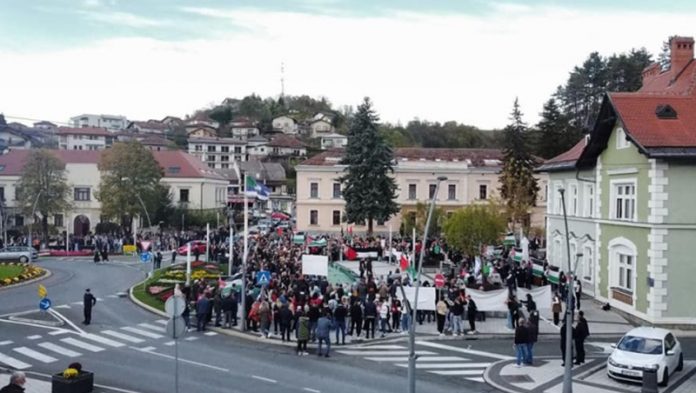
(33, 280)
(487, 377)
(143, 305)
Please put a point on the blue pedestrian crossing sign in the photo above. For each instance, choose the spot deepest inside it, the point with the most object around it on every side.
(263, 277)
(45, 304)
(145, 256)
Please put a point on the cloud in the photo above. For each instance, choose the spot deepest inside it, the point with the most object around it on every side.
(92, 3)
(121, 18)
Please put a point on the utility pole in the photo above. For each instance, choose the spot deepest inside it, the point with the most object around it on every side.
(568, 373)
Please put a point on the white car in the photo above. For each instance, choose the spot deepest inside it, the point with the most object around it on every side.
(645, 348)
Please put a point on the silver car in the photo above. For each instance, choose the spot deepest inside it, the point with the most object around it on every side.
(18, 253)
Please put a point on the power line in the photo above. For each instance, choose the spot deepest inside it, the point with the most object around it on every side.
(36, 120)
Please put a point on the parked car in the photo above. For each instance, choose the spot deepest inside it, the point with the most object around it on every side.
(195, 245)
(18, 253)
(644, 348)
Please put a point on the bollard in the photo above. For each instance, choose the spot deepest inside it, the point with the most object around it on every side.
(650, 380)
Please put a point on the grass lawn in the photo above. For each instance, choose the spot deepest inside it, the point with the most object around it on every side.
(140, 293)
(9, 271)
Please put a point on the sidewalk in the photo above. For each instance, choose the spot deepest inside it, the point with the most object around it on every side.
(546, 376)
(40, 383)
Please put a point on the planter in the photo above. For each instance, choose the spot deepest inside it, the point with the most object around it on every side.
(83, 383)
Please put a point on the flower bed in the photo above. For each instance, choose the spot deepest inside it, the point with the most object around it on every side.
(63, 253)
(156, 290)
(16, 272)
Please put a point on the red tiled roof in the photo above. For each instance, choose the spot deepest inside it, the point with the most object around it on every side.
(216, 140)
(570, 155)
(672, 81)
(286, 141)
(83, 131)
(476, 156)
(189, 166)
(637, 113)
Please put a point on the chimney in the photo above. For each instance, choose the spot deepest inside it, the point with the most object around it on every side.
(681, 52)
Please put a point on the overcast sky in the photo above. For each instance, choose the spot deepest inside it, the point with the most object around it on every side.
(463, 60)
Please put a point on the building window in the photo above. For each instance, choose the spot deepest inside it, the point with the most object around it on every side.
(589, 200)
(621, 141)
(224, 158)
(211, 165)
(411, 191)
(2, 194)
(313, 217)
(82, 193)
(199, 148)
(211, 149)
(557, 253)
(58, 220)
(431, 190)
(624, 197)
(337, 190)
(211, 158)
(237, 150)
(573, 199)
(183, 195)
(625, 266)
(337, 217)
(225, 166)
(588, 265)
(225, 149)
(557, 208)
(452, 192)
(483, 191)
(314, 190)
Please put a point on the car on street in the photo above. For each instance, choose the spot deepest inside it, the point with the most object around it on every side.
(645, 348)
(195, 245)
(18, 253)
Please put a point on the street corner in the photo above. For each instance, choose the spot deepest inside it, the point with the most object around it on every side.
(546, 376)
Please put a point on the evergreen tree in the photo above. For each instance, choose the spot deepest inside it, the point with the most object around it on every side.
(518, 186)
(369, 190)
(555, 134)
(664, 59)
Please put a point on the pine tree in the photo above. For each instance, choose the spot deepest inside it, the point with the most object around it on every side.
(555, 134)
(369, 191)
(518, 186)
(664, 58)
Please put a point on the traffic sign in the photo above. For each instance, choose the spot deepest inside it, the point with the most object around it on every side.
(145, 245)
(145, 257)
(439, 280)
(174, 306)
(42, 291)
(263, 277)
(176, 327)
(45, 304)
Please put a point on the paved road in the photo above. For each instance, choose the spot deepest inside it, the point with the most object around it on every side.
(126, 347)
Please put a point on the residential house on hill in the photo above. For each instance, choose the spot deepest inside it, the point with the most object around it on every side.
(202, 118)
(110, 122)
(633, 182)
(218, 153)
(243, 128)
(285, 124)
(200, 130)
(333, 141)
(257, 147)
(150, 126)
(84, 138)
(285, 146)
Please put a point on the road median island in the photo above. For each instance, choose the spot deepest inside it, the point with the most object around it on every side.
(18, 273)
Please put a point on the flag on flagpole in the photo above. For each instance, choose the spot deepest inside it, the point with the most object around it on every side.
(256, 190)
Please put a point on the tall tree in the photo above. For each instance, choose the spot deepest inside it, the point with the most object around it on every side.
(369, 190)
(43, 183)
(554, 132)
(128, 171)
(664, 58)
(518, 186)
(420, 216)
(473, 226)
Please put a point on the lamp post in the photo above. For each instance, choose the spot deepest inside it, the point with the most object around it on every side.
(33, 212)
(147, 215)
(414, 308)
(568, 372)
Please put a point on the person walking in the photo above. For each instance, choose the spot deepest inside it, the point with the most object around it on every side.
(173, 256)
(302, 331)
(471, 312)
(441, 314)
(513, 312)
(88, 301)
(265, 318)
(396, 314)
(582, 331)
(324, 332)
(356, 317)
(521, 341)
(202, 307)
(340, 321)
(556, 309)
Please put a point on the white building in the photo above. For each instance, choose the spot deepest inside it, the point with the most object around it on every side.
(257, 147)
(218, 152)
(285, 124)
(285, 146)
(333, 141)
(110, 122)
(320, 127)
(85, 138)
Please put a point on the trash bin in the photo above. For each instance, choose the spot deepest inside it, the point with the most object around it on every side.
(650, 380)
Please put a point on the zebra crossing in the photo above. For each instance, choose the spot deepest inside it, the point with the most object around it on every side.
(430, 360)
(62, 344)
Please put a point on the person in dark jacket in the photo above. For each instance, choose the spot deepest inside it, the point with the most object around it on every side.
(324, 332)
(533, 335)
(521, 341)
(229, 308)
(340, 322)
(314, 314)
(217, 307)
(202, 307)
(88, 301)
(285, 318)
(104, 255)
(356, 316)
(96, 256)
(16, 385)
(471, 311)
(582, 331)
(563, 344)
(370, 315)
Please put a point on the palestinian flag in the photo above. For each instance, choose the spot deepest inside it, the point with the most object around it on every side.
(407, 267)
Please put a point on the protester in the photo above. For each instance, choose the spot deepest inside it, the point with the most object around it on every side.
(324, 326)
(441, 309)
(556, 309)
(582, 331)
(471, 313)
(302, 329)
(521, 342)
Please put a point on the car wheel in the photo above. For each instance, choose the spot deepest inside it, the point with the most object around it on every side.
(665, 377)
(23, 259)
(680, 367)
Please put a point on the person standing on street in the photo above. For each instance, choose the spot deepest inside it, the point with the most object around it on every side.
(16, 385)
(324, 332)
(88, 301)
(577, 287)
(202, 313)
(556, 308)
(471, 312)
(582, 331)
(563, 344)
(285, 321)
(521, 341)
(302, 331)
(533, 335)
(370, 316)
(356, 317)
(340, 320)
(173, 256)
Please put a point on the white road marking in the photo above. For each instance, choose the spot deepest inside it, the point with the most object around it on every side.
(170, 343)
(463, 350)
(264, 379)
(83, 345)
(420, 359)
(112, 296)
(60, 350)
(57, 332)
(476, 379)
(103, 340)
(35, 355)
(381, 347)
(34, 337)
(162, 321)
(311, 390)
(449, 365)
(191, 338)
(122, 336)
(7, 342)
(80, 303)
(153, 327)
(14, 363)
(210, 334)
(63, 306)
(141, 332)
(385, 353)
(100, 299)
(457, 372)
(150, 351)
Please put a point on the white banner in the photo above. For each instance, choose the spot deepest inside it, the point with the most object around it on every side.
(542, 296)
(426, 297)
(315, 265)
(489, 300)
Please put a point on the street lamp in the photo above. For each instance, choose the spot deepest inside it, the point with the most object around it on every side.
(141, 203)
(414, 308)
(568, 361)
(33, 212)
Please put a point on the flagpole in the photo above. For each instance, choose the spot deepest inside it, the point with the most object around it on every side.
(389, 246)
(207, 242)
(244, 256)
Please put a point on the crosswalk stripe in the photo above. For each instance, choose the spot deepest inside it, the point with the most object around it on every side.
(63, 306)
(59, 350)
(6, 342)
(122, 336)
(35, 355)
(384, 353)
(103, 340)
(57, 332)
(448, 365)
(381, 347)
(397, 359)
(162, 321)
(476, 379)
(192, 338)
(34, 337)
(83, 345)
(112, 296)
(462, 350)
(457, 372)
(170, 343)
(12, 362)
(152, 327)
(141, 332)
